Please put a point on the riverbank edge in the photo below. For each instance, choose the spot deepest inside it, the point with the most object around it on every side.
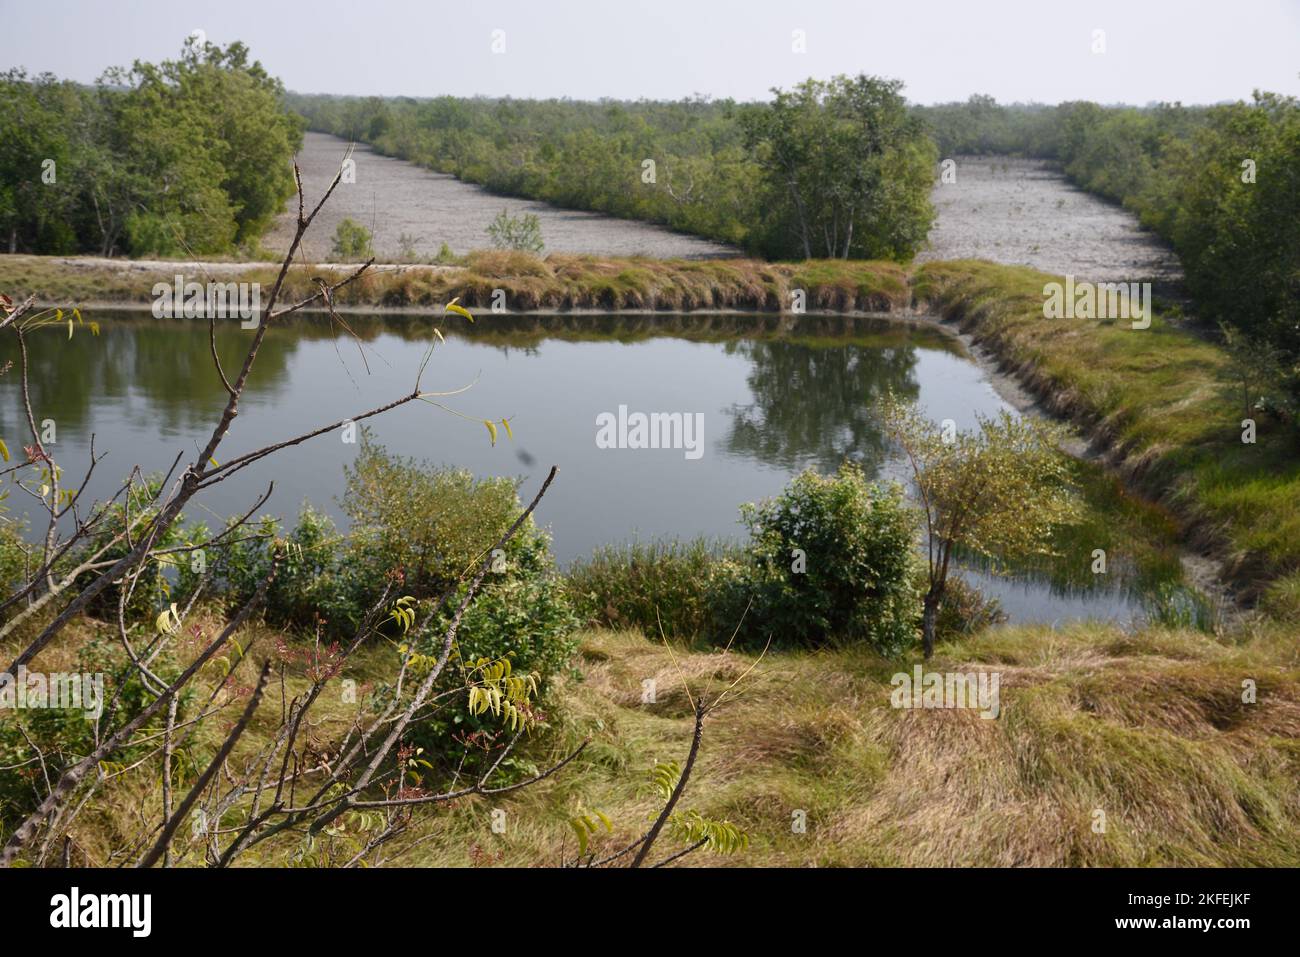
(986, 305)
(998, 312)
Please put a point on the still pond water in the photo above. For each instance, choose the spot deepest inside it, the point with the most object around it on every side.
(776, 395)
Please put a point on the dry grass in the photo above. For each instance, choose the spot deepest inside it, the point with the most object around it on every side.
(1148, 728)
(556, 282)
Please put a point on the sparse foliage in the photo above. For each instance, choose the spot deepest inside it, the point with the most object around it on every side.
(519, 233)
(997, 491)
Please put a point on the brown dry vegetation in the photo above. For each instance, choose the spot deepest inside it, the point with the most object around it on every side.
(555, 282)
(1148, 728)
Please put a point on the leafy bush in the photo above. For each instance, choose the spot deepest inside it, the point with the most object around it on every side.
(433, 524)
(152, 588)
(522, 233)
(352, 242)
(831, 558)
(64, 735)
(426, 530)
(529, 619)
(13, 557)
(312, 582)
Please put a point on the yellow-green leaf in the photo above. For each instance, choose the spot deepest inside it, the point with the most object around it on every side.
(459, 310)
(492, 430)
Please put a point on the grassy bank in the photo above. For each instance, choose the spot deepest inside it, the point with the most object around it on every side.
(1164, 403)
(556, 282)
(1148, 728)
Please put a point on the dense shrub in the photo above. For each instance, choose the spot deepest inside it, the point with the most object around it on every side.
(432, 523)
(523, 233)
(13, 556)
(832, 558)
(352, 242)
(426, 530)
(151, 589)
(312, 582)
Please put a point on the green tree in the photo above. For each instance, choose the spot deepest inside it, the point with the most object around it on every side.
(185, 156)
(848, 168)
(996, 492)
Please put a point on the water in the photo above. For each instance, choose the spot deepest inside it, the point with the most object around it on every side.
(777, 395)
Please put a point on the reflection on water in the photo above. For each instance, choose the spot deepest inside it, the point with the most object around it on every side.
(777, 394)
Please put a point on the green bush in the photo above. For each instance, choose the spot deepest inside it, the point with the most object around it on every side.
(312, 582)
(152, 588)
(426, 530)
(13, 556)
(62, 736)
(521, 233)
(831, 558)
(352, 242)
(432, 524)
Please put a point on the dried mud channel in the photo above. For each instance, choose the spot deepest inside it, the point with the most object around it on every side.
(392, 198)
(1026, 213)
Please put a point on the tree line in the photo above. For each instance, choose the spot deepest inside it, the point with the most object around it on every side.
(187, 156)
(828, 169)
(1221, 184)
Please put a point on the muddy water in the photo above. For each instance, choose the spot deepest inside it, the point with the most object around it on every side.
(392, 197)
(1023, 212)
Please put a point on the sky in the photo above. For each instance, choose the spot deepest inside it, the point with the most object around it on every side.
(1150, 50)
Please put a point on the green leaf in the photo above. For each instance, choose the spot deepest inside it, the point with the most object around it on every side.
(492, 430)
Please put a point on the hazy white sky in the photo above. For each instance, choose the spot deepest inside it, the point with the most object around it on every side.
(1196, 51)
